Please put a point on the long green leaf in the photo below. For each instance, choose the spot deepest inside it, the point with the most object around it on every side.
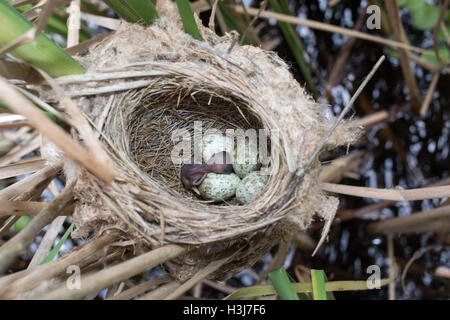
(330, 286)
(145, 9)
(40, 52)
(52, 254)
(294, 44)
(122, 8)
(318, 284)
(282, 284)
(187, 16)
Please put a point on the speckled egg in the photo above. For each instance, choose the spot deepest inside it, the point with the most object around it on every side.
(245, 158)
(214, 143)
(219, 186)
(251, 186)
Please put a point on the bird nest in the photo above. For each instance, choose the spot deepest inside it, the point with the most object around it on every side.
(144, 84)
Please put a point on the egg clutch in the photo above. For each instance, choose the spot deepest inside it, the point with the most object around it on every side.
(226, 171)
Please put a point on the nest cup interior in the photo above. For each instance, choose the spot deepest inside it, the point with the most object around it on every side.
(151, 118)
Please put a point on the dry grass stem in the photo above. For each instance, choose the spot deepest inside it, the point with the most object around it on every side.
(389, 194)
(73, 150)
(119, 272)
(22, 167)
(327, 27)
(434, 220)
(140, 289)
(12, 248)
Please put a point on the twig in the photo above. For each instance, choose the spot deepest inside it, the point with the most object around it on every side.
(23, 281)
(427, 101)
(161, 292)
(416, 256)
(26, 208)
(392, 265)
(329, 28)
(410, 79)
(114, 274)
(15, 245)
(389, 194)
(20, 168)
(211, 24)
(47, 241)
(434, 220)
(73, 23)
(261, 9)
(139, 289)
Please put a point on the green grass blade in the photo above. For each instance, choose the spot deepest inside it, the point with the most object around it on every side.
(294, 44)
(187, 16)
(122, 8)
(52, 254)
(255, 291)
(318, 284)
(145, 9)
(22, 223)
(282, 284)
(40, 52)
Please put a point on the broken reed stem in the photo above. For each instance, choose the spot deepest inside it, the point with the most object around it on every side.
(161, 292)
(139, 289)
(427, 101)
(114, 274)
(19, 104)
(389, 194)
(47, 241)
(327, 27)
(27, 208)
(11, 249)
(84, 129)
(405, 63)
(321, 144)
(29, 183)
(73, 23)
(23, 281)
(434, 220)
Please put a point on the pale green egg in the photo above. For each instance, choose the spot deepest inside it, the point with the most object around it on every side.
(219, 186)
(245, 157)
(251, 187)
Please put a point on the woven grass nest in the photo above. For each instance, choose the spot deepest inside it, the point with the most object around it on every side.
(144, 83)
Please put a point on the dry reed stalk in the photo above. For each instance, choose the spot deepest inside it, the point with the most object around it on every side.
(429, 96)
(27, 208)
(140, 289)
(389, 194)
(326, 27)
(73, 150)
(119, 272)
(47, 241)
(12, 248)
(408, 73)
(22, 167)
(12, 121)
(25, 186)
(161, 292)
(434, 220)
(373, 119)
(23, 281)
